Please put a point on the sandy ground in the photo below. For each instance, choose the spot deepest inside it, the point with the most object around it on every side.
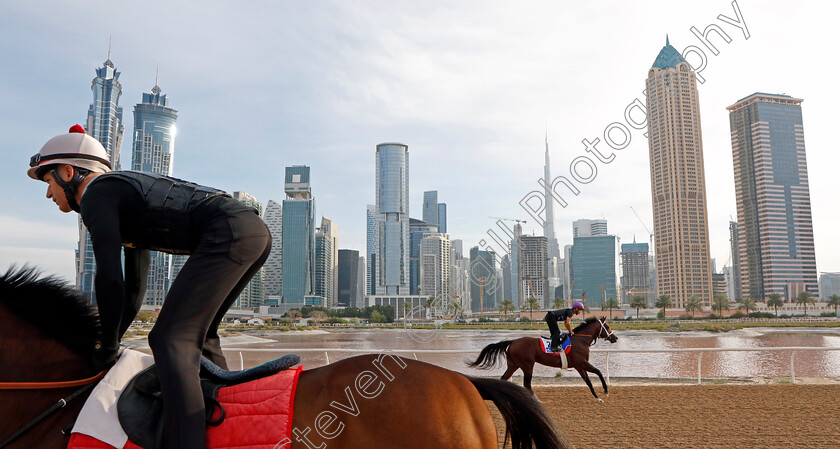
(696, 416)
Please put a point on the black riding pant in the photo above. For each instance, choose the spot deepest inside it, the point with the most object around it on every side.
(551, 319)
(231, 250)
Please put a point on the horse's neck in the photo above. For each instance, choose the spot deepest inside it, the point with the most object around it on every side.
(27, 354)
(590, 331)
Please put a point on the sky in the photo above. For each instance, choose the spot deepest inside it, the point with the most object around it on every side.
(472, 87)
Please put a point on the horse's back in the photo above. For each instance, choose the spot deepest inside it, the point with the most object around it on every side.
(388, 401)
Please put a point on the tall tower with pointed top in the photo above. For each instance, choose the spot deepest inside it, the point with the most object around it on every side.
(678, 180)
(105, 124)
(151, 152)
(548, 225)
(104, 119)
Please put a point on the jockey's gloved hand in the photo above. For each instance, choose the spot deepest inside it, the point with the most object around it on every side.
(103, 357)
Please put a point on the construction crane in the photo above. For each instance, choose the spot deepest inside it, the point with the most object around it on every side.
(509, 219)
(644, 226)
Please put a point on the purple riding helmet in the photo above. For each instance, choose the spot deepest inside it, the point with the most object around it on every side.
(577, 304)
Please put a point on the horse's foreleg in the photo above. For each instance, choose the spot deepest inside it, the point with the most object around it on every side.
(585, 377)
(592, 369)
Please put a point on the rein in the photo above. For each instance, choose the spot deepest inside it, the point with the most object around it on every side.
(86, 384)
(50, 385)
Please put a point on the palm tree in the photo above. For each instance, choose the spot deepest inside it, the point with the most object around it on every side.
(406, 307)
(775, 301)
(612, 303)
(721, 302)
(558, 302)
(747, 305)
(457, 308)
(664, 302)
(533, 303)
(833, 301)
(506, 306)
(804, 299)
(693, 305)
(638, 302)
(431, 303)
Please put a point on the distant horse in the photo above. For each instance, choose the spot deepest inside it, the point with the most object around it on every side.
(47, 333)
(526, 351)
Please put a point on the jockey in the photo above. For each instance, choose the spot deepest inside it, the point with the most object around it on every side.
(552, 317)
(132, 213)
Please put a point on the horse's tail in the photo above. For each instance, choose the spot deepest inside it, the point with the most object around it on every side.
(489, 356)
(527, 424)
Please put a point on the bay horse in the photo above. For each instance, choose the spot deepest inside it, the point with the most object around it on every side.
(524, 352)
(48, 332)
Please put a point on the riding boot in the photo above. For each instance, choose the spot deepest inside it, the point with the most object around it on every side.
(555, 343)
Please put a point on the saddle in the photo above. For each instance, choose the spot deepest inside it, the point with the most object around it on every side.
(140, 406)
(565, 343)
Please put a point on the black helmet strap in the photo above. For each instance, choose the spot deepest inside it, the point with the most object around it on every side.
(70, 187)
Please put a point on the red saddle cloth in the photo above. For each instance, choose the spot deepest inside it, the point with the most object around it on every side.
(258, 416)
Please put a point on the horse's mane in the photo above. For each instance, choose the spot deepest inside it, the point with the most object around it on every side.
(57, 309)
(585, 323)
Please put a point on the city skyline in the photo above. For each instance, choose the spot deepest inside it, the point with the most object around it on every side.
(480, 147)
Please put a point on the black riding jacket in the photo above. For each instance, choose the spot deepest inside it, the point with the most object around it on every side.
(562, 314)
(141, 212)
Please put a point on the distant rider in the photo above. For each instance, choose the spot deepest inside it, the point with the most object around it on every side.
(564, 315)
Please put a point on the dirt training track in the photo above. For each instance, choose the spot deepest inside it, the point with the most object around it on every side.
(697, 416)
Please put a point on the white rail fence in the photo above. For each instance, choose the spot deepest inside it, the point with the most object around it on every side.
(414, 352)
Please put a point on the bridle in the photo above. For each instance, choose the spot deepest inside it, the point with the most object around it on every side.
(609, 333)
(86, 384)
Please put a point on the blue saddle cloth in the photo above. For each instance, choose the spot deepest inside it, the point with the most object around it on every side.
(565, 344)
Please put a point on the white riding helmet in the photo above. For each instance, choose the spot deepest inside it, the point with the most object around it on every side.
(74, 148)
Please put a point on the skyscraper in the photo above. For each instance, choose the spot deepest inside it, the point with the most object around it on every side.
(152, 151)
(735, 264)
(533, 269)
(548, 225)
(593, 269)
(360, 287)
(435, 265)
(392, 262)
(371, 271)
(775, 230)
(417, 229)
(459, 273)
(326, 262)
(635, 279)
(515, 258)
(273, 268)
(434, 212)
(348, 277)
(678, 186)
(298, 236)
(252, 295)
(483, 283)
(104, 123)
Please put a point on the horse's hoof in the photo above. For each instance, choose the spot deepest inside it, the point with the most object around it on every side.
(600, 401)
(606, 395)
